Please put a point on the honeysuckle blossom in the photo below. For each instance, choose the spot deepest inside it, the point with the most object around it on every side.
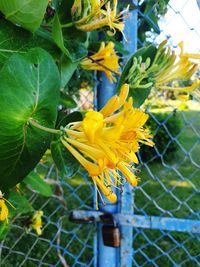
(105, 60)
(37, 221)
(187, 55)
(176, 68)
(4, 212)
(97, 14)
(106, 142)
(165, 71)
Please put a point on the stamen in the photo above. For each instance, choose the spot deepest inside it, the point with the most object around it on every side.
(99, 192)
(96, 194)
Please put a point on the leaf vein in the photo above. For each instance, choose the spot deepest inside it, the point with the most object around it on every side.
(17, 10)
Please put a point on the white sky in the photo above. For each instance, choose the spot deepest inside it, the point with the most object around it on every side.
(182, 23)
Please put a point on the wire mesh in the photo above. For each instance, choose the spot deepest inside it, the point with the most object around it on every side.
(62, 243)
(169, 186)
(170, 174)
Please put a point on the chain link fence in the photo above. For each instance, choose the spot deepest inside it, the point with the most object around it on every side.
(62, 243)
(170, 184)
(170, 172)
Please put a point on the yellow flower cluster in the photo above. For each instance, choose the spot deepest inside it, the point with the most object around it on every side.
(4, 212)
(106, 142)
(37, 222)
(165, 71)
(105, 60)
(97, 14)
(176, 68)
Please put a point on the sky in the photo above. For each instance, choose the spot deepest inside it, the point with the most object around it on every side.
(182, 23)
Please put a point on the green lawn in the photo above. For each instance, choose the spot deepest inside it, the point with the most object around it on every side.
(164, 183)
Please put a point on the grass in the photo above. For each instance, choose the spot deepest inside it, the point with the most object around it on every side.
(164, 181)
(172, 187)
(178, 177)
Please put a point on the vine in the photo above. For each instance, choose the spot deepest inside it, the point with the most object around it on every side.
(44, 45)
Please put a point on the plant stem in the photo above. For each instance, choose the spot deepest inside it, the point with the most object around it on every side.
(43, 128)
(67, 25)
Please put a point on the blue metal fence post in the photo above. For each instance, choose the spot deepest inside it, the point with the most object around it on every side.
(106, 256)
(127, 198)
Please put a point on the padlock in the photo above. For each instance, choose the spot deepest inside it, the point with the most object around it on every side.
(111, 236)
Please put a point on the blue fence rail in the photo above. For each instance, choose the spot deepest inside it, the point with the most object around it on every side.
(159, 222)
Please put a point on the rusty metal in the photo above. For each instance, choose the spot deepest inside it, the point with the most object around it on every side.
(111, 236)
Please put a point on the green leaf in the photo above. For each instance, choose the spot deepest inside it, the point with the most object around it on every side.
(38, 184)
(63, 159)
(67, 69)
(26, 13)
(64, 16)
(72, 42)
(20, 203)
(67, 101)
(17, 40)
(139, 94)
(4, 228)
(29, 88)
(64, 119)
(56, 4)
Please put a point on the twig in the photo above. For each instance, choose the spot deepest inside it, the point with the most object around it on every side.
(103, 66)
(62, 259)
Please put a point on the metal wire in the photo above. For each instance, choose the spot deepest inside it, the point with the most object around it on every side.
(168, 188)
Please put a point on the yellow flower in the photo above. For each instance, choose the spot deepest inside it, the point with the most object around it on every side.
(99, 14)
(96, 120)
(187, 55)
(183, 97)
(188, 89)
(105, 60)
(3, 210)
(181, 68)
(106, 142)
(165, 72)
(37, 222)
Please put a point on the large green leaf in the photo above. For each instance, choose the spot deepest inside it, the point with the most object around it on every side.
(72, 42)
(26, 13)
(17, 40)
(67, 68)
(29, 87)
(35, 182)
(63, 159)
(139, 94)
